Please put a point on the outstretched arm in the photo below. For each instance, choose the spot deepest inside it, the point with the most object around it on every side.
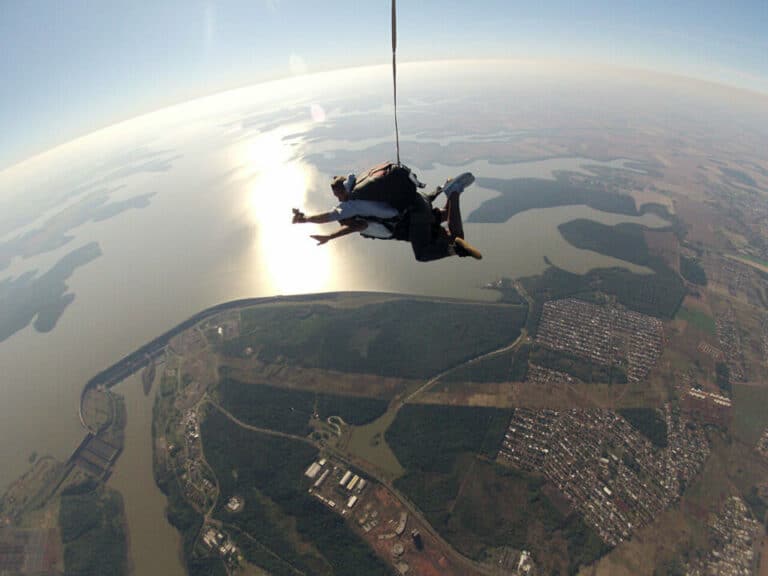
(357, 225)
(300, 218)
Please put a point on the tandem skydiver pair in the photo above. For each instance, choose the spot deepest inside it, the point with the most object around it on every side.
(386, 203)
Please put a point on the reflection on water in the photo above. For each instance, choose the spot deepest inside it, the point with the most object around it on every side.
(279, 182)
(155, 546)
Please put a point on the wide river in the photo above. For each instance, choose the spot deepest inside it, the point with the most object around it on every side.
(218, 229)
(155, 545)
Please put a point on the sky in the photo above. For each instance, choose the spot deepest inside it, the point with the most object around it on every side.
(69, 67)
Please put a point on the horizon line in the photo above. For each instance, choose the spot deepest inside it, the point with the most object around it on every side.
(669, 75)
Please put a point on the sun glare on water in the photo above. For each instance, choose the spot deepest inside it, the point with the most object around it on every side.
(288, 262)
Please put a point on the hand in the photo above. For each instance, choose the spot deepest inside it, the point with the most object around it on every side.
(298, 217)
(321, 238)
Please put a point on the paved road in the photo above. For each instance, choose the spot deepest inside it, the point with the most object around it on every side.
(431, 382)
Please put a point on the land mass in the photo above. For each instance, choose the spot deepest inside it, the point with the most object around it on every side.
(354, 433)
(521, 194)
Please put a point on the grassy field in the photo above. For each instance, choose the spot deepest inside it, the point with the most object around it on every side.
(750, 260)
(289, 410)
(401, 338)
(755, 260)
(750, 412)
(698, 319)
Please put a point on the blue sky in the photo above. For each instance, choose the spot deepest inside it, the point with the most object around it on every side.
(72, 66)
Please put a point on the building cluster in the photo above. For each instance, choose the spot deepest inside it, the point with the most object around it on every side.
(193, 472)
(686, 451)
(606, 334)
(608, 471)
(235, 504)
(525, 565)
(334, 485)
(216, 540)
(753, 206)
(508, 561)
(736, 276)
(730, 342)
(735, 538)
(708, 407)
(351, 495)
(546, 377)
(225, 326)
(715, 353)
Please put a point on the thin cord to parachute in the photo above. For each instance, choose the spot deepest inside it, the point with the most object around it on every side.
(394, 76)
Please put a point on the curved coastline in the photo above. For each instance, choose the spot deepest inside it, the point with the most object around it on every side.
(139, 358)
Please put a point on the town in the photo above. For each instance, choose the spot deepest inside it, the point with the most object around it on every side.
(735, 539)
(730, 343)
(610, 335)
(608, 471)
(197, 480)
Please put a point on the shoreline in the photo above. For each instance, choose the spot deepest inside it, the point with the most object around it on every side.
(149, 352)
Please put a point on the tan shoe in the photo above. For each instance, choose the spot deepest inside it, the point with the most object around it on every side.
(464, 249)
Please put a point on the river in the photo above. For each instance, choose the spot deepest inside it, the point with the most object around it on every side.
(155, 546)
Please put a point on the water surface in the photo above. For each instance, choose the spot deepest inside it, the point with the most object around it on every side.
(155, 546)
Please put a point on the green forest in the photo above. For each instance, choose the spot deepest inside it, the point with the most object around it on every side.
(401, 338)
(92, 522)
(510, 366)
(278, 515)
(649, 422)
(691, 270)
(521, 194)
(622, 241)
(578, 367)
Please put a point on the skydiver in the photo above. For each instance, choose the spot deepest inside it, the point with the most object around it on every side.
(386, 204)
